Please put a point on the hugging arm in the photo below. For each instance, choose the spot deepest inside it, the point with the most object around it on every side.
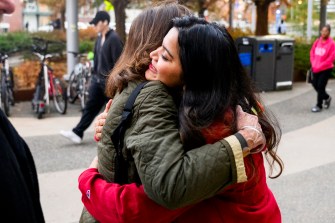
(155, 135)
(170, 176)
(111, 202)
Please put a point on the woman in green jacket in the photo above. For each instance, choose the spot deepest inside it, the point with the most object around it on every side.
(157, 159)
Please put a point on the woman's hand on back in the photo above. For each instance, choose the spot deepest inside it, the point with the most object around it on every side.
(100, 121)
(249, 127)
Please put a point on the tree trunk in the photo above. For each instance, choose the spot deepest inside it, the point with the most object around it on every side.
(262, 17)
(120, 17)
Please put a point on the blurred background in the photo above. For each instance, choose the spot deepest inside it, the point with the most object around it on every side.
(48, 19)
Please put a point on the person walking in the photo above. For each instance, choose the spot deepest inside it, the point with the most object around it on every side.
(281, 27)
(107, 50)
(322, 56)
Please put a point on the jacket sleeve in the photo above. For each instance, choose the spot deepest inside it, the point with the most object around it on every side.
(116, 48)
(312, 53)
(170, 176)
(110, 202)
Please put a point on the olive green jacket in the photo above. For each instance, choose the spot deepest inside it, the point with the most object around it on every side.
(171, 177)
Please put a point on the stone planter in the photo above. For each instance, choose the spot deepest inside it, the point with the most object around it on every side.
(24, 94)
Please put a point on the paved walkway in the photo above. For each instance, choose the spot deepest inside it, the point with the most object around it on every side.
(305, 191)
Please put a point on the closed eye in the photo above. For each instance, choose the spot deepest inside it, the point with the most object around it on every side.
(164, 57)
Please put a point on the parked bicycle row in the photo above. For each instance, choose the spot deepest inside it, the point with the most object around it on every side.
(48, 87)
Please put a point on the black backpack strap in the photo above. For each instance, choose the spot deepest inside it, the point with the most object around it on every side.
(121, 165)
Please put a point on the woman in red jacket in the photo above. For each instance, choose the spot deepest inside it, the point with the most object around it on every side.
(211, 72)
(322, 56)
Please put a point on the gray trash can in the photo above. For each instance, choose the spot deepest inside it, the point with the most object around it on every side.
(284, 62)
(258, 56)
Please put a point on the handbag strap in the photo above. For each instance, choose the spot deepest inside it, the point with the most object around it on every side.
(121, 166)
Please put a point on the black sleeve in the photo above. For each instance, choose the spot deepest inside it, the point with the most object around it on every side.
(18, 177)
(116, 47)
(95, 58)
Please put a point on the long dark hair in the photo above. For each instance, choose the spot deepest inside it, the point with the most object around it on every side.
(145, 35)
(215, 81)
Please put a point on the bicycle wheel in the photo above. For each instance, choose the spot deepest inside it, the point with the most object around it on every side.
(10, 84)
(72, 93)
(59, 95)
(38, 102)
(40, 114)
(4, 95)
(84, 84)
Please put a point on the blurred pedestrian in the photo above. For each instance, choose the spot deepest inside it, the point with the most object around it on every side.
(107, 50)
(20, 199)
(322, 56)
(281, 27)
(27, 26)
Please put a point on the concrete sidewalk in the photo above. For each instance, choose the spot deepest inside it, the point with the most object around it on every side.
(304, 191)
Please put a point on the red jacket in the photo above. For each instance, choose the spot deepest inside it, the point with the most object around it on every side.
(250, 202)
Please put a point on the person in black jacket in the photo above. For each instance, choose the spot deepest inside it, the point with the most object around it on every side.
(107, 50)
(20, 199)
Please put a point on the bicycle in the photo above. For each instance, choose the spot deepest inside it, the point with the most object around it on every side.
(79, 80)
(6, 85)
(47, 86)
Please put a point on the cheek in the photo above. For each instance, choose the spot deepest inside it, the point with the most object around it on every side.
(175, 77)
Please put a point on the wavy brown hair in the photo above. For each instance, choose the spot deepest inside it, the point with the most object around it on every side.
(145, 35)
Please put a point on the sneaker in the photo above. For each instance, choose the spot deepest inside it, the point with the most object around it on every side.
(327, 102)
(316, 109)
(71, 136)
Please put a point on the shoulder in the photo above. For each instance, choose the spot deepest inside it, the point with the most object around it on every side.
(155, 98)
(155, 91)
(112, 35)
(316, 41)
(155, 87)
(332, 41)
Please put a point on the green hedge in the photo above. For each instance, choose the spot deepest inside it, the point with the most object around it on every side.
(301, 60)
(22, 42)
(16, 41)
(86, 46)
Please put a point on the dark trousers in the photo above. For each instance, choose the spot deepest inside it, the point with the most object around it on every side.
(96, 100)
(319, 83)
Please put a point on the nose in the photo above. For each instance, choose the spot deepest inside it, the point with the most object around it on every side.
(154, 54)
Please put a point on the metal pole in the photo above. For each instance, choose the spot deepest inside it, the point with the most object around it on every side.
(323, 13)
(309, 19)
(253, 18)
(72, 39)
